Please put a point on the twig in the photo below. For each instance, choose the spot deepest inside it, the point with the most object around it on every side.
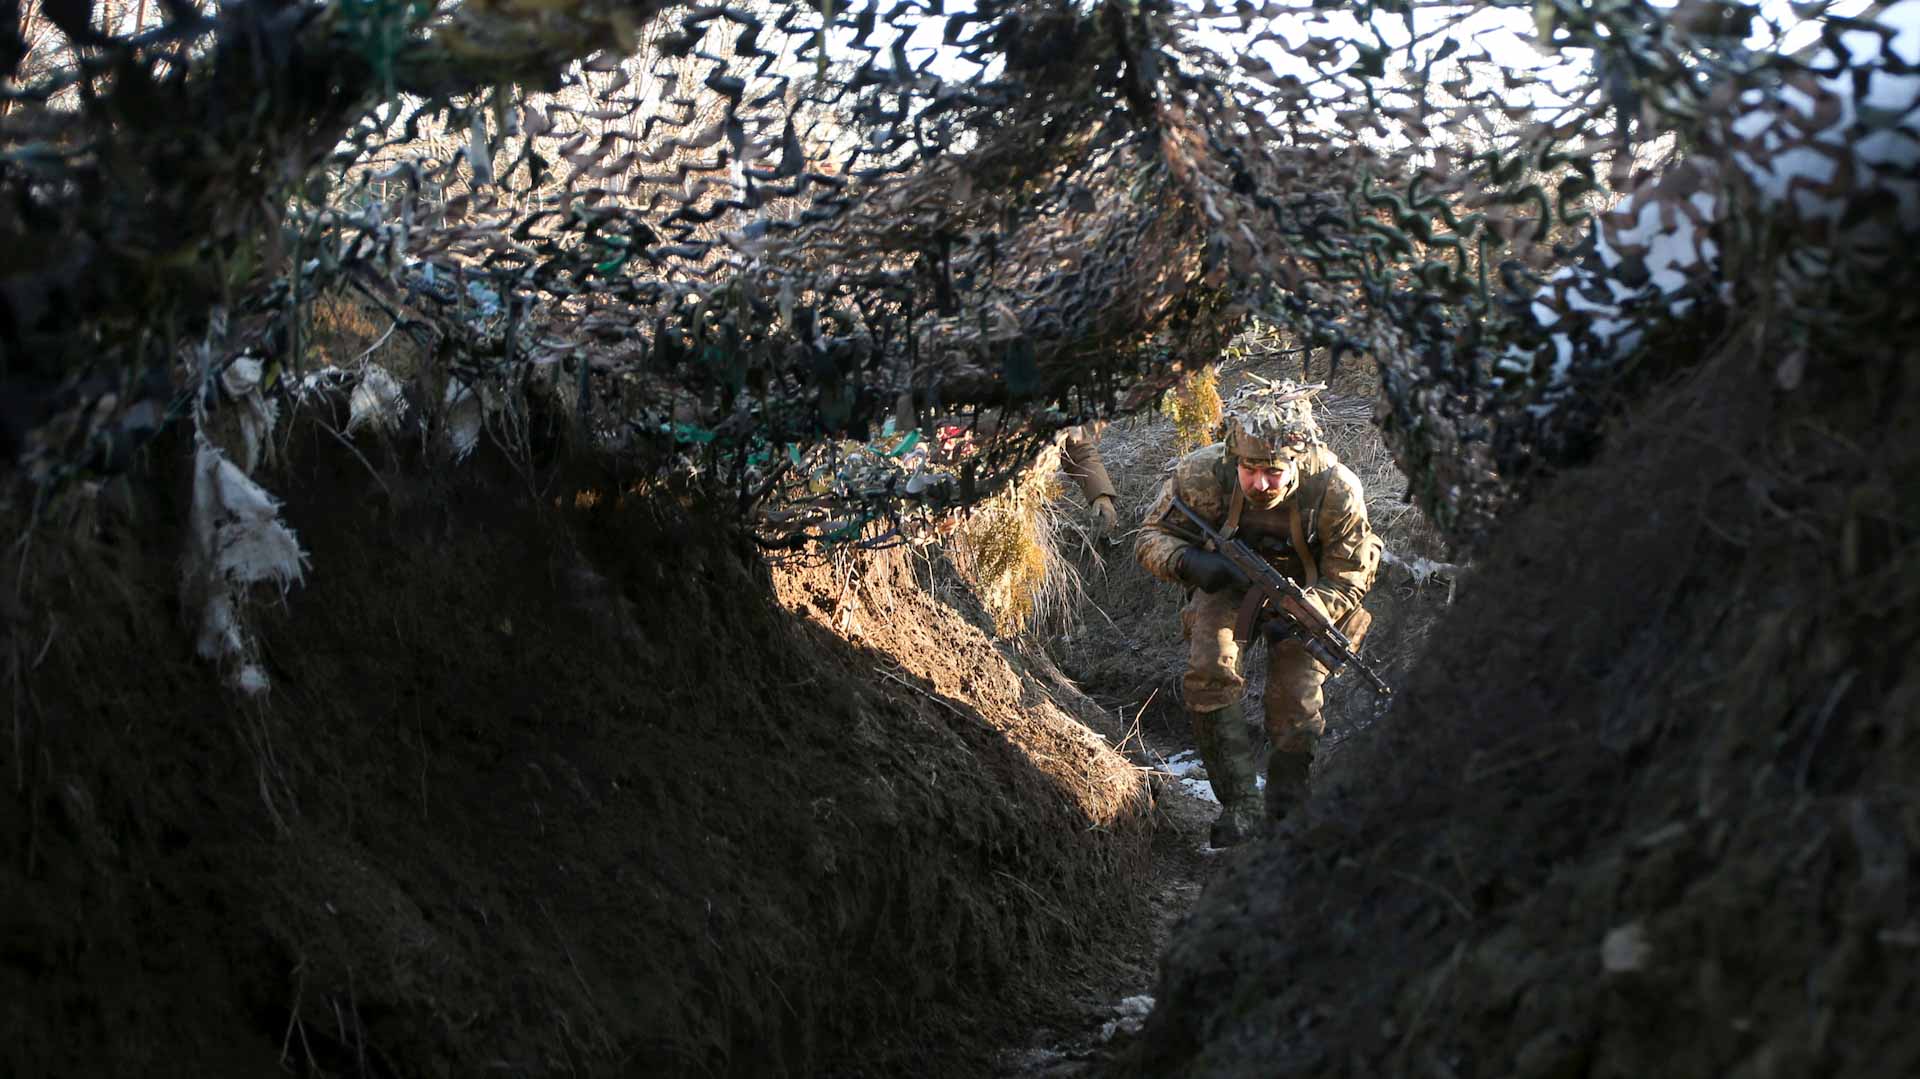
(1840, 687)
(53, 631)
(1475, 774)
(355, 450)
(1089, 602)
(1420, 1016)
(1133, 731)
(1043, 906)
(1718, 530)
(294, 1023)
(19, 718)
(941, 701)
(565, 949)
(391, 326)
(1437, 890)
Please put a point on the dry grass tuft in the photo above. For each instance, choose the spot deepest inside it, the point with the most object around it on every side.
(342, 330)
(1009, 551)
(1194, 407)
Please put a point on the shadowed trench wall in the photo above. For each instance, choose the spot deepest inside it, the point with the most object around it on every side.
(545, 785)
(1646, 805)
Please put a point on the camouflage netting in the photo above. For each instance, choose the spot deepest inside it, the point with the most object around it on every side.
(757, 248)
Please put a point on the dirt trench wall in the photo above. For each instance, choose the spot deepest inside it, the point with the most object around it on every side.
(538, 790)
(1647, 805)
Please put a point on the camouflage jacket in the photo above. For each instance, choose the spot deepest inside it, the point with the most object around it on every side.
(1333, 514)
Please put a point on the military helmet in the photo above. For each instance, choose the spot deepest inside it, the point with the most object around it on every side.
(1272, 421)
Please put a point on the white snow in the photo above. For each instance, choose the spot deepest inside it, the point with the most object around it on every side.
(1185, 766)
(1129, 1015)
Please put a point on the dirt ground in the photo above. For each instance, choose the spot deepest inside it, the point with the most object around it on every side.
(558, 780)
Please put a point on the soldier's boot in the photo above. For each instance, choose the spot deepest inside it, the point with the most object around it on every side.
(1287, 779)
(1227, 752)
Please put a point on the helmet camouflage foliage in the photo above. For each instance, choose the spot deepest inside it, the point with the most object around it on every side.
(1272, 421)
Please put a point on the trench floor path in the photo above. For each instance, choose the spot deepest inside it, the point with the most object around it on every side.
(1107, 1011)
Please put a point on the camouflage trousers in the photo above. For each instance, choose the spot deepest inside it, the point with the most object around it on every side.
(1213, 680)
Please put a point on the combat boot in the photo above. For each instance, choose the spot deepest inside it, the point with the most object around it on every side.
(1228, 754)
(1287, 779)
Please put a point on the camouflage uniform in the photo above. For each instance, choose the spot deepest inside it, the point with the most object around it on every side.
(1345, 554)
(1080, 458)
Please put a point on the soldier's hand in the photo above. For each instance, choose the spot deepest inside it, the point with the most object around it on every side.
(1209, 571)
(1105, 517)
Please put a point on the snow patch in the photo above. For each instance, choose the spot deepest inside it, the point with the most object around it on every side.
(1129, 1016)
(1191, 774)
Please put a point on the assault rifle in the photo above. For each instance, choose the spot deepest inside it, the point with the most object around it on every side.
(1273, 592)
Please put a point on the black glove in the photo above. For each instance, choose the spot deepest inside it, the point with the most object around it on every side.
(1276, 630)
(1209, 571)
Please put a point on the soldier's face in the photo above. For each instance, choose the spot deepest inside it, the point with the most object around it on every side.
(1265, 483)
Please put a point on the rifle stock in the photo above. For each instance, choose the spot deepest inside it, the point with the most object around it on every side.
(1273, 591)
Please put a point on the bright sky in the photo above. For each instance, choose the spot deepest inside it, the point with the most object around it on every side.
(1503, 35)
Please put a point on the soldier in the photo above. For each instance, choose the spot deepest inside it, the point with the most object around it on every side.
(1274, 485)
(1079, 459)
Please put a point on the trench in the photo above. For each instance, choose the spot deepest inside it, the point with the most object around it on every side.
(589, 786)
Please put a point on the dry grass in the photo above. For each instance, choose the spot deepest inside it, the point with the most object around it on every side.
(1011, 551)
(1347, 422)
(342, 330)
(339, 330)
(1194, 406)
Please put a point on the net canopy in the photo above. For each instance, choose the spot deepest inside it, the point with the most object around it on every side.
(770, 248)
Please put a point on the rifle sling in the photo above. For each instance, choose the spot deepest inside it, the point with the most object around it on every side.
(1309, 571)
(1247, 622)
(1235, 503)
